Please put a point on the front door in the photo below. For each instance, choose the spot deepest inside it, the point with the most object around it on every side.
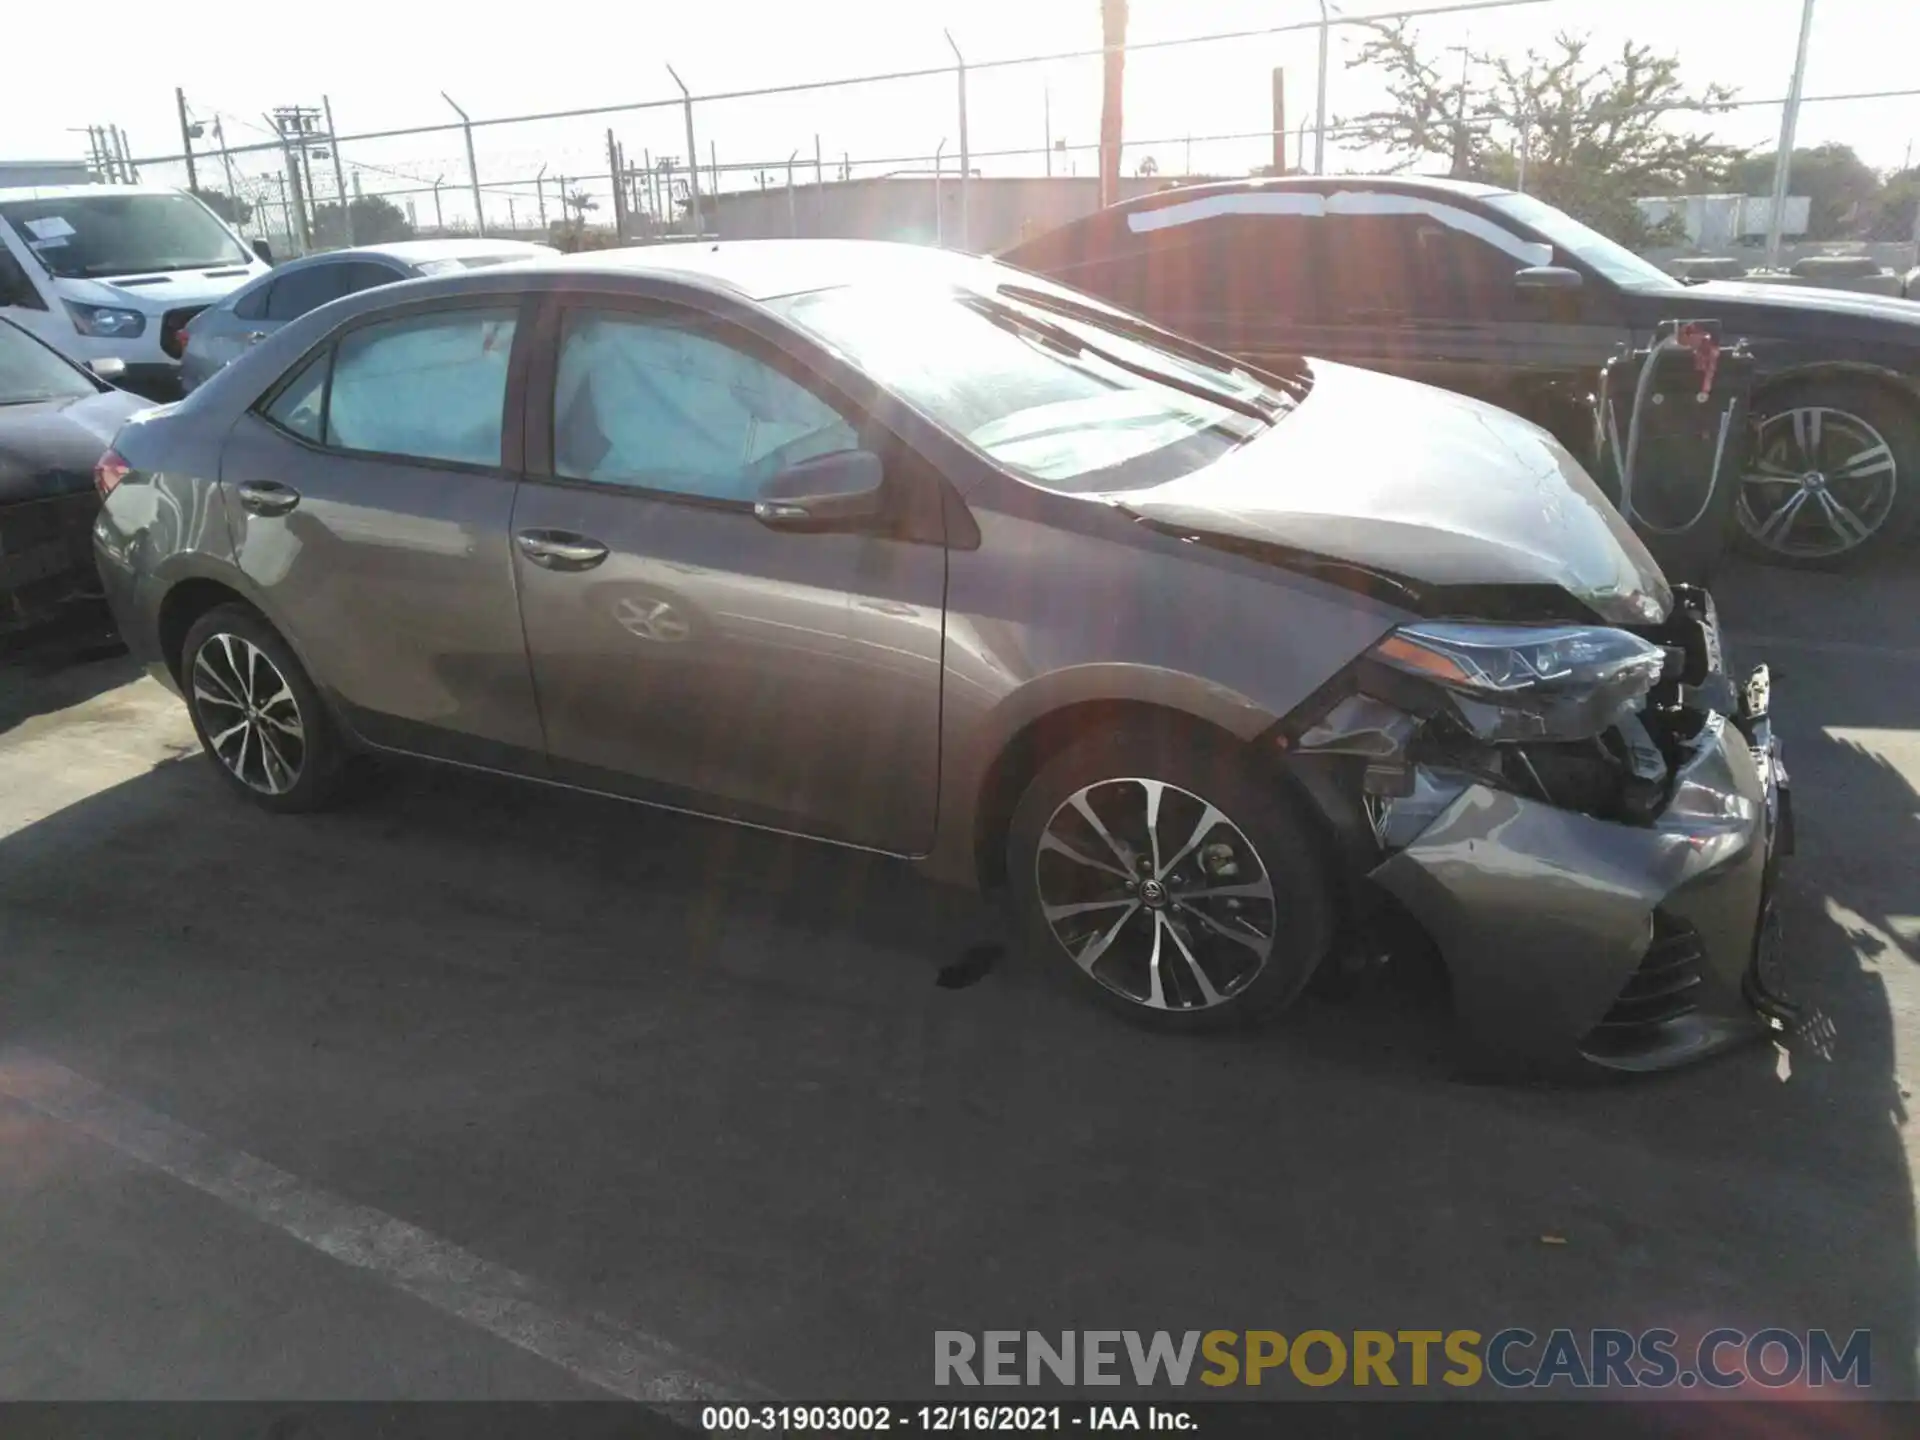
(686, 653)
(369, 502)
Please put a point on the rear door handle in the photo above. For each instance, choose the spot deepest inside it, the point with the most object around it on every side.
(560, 549)
(254, 337)
(268, 497)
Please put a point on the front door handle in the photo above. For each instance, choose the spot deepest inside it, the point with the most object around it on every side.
(254, 337)
(560, 549)
(268, 497)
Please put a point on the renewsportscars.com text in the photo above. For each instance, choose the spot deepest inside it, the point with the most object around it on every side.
(1512, 1358)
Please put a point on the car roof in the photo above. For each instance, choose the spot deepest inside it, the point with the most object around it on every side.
(765, 269)
(1403, 184)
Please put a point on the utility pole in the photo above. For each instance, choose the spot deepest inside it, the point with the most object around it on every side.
(1783, 160)
(294, 124)
(226, 160)
(126, 156)
(286, 215)
(339, 171)
(186, 138)
(619, 200)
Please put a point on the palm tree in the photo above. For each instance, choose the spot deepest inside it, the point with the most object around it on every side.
(1113, 39)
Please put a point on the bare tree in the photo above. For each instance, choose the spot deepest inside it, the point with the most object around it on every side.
(1593, 135)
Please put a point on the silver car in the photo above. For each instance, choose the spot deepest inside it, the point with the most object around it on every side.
(222, 332)
(1221, 675)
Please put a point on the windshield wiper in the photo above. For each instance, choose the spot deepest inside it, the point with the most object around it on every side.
(1135, 329)
(1073, 343)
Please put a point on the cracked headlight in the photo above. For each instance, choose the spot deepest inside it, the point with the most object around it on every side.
(1526, 682)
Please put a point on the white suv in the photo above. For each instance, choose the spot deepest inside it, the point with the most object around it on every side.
(115, 272)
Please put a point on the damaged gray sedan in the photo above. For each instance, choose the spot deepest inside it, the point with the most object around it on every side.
(1221, 675)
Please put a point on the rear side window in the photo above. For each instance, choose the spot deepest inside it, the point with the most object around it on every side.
(368, 274)
(253, 304)
(298, 408)
(431, 387)
(299, 291)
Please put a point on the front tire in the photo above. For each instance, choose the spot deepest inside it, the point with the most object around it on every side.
(258, 716)
(1833, 477)
(1162, 873)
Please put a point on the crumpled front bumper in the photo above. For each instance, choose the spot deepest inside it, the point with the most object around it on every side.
(1576, 941)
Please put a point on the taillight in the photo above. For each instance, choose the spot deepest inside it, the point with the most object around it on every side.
(108, 472)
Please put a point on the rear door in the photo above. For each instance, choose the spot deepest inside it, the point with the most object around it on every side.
(369, 494)
(683, 651)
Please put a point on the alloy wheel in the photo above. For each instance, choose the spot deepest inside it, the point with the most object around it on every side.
(1156, 894)
(1821, 483)
(249, 713)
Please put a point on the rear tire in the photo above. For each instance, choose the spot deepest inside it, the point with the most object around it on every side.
(258, 716)
(1861, 443)
(1217, 917)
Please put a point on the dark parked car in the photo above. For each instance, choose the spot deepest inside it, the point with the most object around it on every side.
(1500, 296)
(56, 420)
(914, 553)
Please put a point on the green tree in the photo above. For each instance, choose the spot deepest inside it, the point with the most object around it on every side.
(230, 208)
(1843, 188)
(375, 219)
(1595, 135)
(1896, 207)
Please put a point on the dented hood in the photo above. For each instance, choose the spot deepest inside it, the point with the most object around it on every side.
(1424, 485)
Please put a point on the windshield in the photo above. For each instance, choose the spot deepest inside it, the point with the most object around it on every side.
(1609, 257)
(109, 234)
(29, 371)
(1072, 405)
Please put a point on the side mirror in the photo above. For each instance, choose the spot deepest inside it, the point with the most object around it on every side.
(1547, 277)
(263, 250)
(108, 367)
(828, 492)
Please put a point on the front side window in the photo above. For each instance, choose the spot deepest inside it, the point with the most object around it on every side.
(664, 404)
(298, 291)
(1609, 257)
(432, 387)
(122, 234)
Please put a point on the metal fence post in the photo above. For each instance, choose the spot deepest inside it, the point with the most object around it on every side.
(1320, 101)
(339, 170)
(693, 156)
(793, 219)
(473, 168)
(1783, 161)
(939, 215)
(540, 194)
(966, 162)
(613, 177)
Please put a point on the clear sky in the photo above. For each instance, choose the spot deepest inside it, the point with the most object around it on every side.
(382, 65)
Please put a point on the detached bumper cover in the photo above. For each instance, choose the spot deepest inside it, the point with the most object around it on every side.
(1572, 939)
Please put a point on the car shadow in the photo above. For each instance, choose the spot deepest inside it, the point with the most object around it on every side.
(53, 673)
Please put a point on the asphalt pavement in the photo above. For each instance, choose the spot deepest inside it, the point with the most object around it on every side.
(481, 1090)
